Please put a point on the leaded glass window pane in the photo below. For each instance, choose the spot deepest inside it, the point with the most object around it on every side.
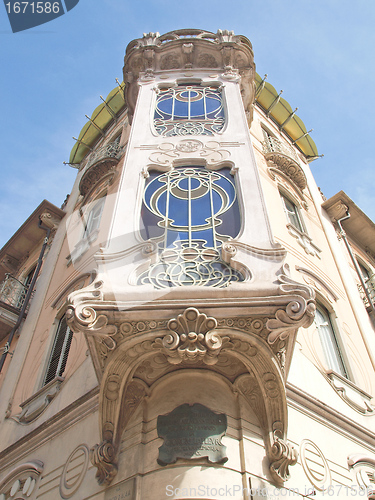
(189, 110)
(329, 342)
(190, 212)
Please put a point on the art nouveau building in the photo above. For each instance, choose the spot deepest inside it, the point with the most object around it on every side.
(202, 324)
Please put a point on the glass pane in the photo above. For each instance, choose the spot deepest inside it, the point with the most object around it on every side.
(189, 110)
(329, 342)
(191, 211)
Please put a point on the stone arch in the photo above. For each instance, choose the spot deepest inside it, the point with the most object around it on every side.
(121, 392)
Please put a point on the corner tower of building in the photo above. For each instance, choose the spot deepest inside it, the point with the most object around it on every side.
(200, 325)
(191, 280)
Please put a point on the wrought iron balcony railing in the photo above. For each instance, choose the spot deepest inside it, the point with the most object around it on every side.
(274, 145)
(110, 150)
(370, 286)
(12, 292)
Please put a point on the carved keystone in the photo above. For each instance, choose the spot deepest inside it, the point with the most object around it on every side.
(193, 338)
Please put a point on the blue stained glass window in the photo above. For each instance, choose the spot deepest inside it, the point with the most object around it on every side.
(190, 211)
(189, 110)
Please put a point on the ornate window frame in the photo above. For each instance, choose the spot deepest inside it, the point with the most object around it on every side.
(211, 260)
(188, 127)
(300, 233)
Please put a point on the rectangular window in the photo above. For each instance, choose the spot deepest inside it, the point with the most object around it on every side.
(60, 351)
(329, 342)
(292, 214)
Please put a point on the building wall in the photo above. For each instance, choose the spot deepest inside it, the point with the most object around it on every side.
(269, 376)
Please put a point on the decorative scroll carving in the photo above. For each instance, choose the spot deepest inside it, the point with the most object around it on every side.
(215, 153)
(50, 220)
(337, 211)
(22, 481)
(38, 402)
(102, 457)
(282, 455)
(299, 312)
(193, 338)
(191, 48)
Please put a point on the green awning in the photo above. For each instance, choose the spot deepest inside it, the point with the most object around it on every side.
(102, 117)
(282, 113)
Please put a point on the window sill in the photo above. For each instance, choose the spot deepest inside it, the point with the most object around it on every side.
(34, 406)
(354, 396)
(304, 240)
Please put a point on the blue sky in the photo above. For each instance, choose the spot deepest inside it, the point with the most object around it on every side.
(321, 53)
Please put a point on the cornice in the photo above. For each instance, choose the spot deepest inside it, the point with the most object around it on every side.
(49, 429)
(327, 415)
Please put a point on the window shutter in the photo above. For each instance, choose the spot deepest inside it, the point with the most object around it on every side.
(60, 351)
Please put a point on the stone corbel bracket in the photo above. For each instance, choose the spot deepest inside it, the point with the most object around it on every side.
(190, 49)
(262, 342)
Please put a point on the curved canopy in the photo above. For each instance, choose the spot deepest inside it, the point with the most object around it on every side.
(102, 116)
(280, 111)
(266, 97)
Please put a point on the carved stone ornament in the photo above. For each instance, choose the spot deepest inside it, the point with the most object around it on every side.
(189, 49)
(282, 454)
(50, 220)
(193, 338)
(299, 312)
(122, 343)
(102, 457)
(96, 173)
(38, 402)
(213, 152)
(22, 481)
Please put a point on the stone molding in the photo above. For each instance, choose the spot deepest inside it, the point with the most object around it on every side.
(103, 169)
(38, 402)
(287, 166)
(215, 154)
(192, 337)
(50, 220)
(22, 481)
(262, 340)
(190, 49)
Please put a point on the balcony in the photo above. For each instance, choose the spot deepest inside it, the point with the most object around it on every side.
(101, 163)
(12, 292)
(12, 298)
(370, 286)
(285, 159)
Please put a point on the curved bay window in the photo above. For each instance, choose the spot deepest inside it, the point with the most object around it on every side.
(189, 110)
(190, 212)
